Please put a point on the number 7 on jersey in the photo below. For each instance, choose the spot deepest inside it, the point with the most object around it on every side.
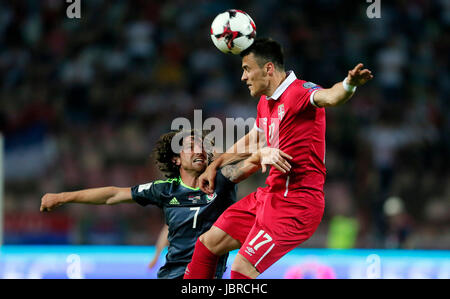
(196, 209)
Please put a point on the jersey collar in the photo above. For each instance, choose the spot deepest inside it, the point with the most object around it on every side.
(188, 187)
(283, 86)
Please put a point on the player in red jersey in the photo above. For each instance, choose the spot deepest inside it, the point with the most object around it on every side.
(271, 221)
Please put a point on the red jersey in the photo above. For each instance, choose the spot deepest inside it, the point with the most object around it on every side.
(294, 124)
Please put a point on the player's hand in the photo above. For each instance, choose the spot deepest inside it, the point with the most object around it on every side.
(359, 76)
(50, 201)
(152, 264)
(274, 157)
(207, 179)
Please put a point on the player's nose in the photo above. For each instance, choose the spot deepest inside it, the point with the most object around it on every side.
(198, 148)
(244, 77)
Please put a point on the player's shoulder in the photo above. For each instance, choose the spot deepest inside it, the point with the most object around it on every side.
(301, 87)
(304, 84)
(166, 184)
(154, 187)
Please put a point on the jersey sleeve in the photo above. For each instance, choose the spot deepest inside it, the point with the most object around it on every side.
(146, 194)
(305, 96)
(228, 189)
(221, 180)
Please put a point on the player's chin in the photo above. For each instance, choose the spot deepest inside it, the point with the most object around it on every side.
(255, 94)
(200, 167)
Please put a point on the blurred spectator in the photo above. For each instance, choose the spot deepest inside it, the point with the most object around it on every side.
(343, 224)
(399, 225)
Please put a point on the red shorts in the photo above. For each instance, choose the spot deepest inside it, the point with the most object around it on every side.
(269, 225)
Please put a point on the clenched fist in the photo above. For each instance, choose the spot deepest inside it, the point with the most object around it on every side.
(207, 179)
(50, 201)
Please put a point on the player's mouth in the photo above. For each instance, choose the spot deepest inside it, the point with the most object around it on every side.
(199, 160)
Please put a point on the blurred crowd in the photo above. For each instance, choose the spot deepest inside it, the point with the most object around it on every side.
(84, 100)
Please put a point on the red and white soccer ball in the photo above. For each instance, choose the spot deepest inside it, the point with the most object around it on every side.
(233, 31)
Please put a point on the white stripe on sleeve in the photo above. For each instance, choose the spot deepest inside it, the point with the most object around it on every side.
(311, 98)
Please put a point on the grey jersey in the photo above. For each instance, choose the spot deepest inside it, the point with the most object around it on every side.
(189, 213)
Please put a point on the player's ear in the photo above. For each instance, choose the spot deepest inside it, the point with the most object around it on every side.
(176, 161)
(269, 68)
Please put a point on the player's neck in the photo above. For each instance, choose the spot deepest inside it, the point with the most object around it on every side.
(189, 179)
(278, 78)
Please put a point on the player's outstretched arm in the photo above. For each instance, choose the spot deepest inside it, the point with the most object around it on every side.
(260, 159)
(96, 196)
(341, 92)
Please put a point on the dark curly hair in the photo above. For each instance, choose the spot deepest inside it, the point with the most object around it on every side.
(266, 50)
(164, 153)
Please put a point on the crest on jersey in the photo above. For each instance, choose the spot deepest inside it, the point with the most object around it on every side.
(309, 85)
(211, 197)
(281, 112)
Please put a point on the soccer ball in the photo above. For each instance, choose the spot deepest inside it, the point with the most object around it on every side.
(233, 31)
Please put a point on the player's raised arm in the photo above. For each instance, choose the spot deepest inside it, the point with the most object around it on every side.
(341, 92)
(241, 150)
(96, 196)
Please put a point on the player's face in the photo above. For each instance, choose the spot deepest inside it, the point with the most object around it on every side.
(193, 156)
(254, 76)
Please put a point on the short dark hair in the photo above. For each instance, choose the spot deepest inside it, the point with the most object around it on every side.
(164, 153)
(266, 50)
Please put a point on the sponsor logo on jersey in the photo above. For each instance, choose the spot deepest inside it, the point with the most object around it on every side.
(211, 197)
(174, 201)
(194, 198)
(249, 251)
